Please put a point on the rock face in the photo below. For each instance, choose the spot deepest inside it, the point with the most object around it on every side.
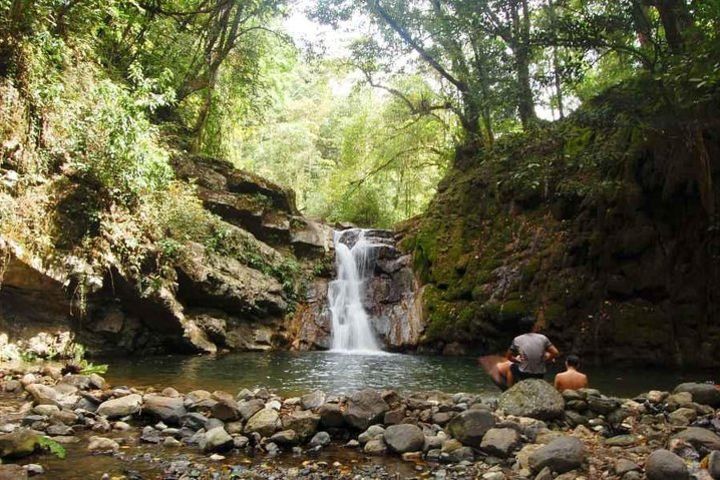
(470, 426)
(224, 300)
(392, 299)
(561, 455)
(533, 398)
(665, 465)
(404, 438)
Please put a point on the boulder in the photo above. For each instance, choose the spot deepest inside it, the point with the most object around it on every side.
(304, 423)
(373, 432)
(714, 465)
(194, 421)
(500, 442)
(120, 407)
(42, 394)
(167, 409)
(532, 398)
(561, 455)
(331, 416)
(103, 444)
(20, 443)
(249, 408)
(375, 447)
(703, 393)
(699, 438)
(216, 440)
(312, 400)
(320, 439)
(365, 407)
(665, 465)
(404, 438)
(285, 437)
(226, 410)
(470, 426)
(265, 422)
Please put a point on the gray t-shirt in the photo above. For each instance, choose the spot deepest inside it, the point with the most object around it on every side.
(532, 348)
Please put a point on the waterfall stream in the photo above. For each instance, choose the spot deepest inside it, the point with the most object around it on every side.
(354, 262)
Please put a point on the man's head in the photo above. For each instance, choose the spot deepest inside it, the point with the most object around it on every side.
(527, 324)
(572, 361)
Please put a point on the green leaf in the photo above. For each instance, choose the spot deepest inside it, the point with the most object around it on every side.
(53, 447)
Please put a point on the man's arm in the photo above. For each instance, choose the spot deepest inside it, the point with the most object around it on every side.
(551, 353)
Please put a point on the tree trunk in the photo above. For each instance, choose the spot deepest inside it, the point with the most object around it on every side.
(521, 48)
(675, 19)
(556, 65)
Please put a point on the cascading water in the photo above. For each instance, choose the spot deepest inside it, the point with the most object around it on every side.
(351, 329)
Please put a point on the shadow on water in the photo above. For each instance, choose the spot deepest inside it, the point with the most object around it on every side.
(293, 373)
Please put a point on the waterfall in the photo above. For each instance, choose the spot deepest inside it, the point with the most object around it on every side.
(354, 263)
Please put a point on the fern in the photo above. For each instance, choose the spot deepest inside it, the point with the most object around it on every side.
(53, 447)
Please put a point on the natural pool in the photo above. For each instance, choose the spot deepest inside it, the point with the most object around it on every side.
(292, 373)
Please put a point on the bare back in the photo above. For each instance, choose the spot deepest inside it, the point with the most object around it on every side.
(570, 380)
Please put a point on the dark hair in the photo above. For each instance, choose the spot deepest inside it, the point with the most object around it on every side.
(573, 361)
(527, 323)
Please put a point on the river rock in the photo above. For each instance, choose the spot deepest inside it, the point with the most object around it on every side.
(13, 472)
(532, 398)
(304, 423)
(226, 409)
(103, 444)
(470, 426)
(700, 438)
(561, 455)
(194, 421)
(375, 447)
(714, 465)
(665, 465)
(42, 394)
(500, 442)
(265, 422)
(286, 437)
(602, 405)
(320, 439)
(20, 443)
(249, 408)
(365, 407)
(703, 393)
(404, 438)
(46, 409)
(373, 432)
(216, 440)
(624, 466)
(331, 416)
(120, 407)
(168, 409)
(312, 400)
(682, 416)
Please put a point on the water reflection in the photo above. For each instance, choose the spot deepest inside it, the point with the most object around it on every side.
(292, 373)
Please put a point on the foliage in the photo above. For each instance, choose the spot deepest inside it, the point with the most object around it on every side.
(47, 443)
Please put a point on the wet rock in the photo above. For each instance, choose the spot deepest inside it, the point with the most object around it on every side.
(13, 472)
(46, 410)
(150, 435)
(304, 422)
(168, 409)
(500, 442)
(700, 438)
(394, 417)
(373, 432)
(286, 437)
(682, 417)
(665, 465)
(33, 469)
(703, 393)
(249, 408)
(312, 400)
(365, 407)
(375, 447)
(120, 407)
(714, 465)
(103, 444)
(265, 422)
(320, 439)
(331, 416)
(171, 442)
(532, 398)
(404, 438)
(59, 430)
(624, 466)
(18, 444)
(241, 441)
(462, 454)
(216, 440)
(194, 421)
(561, 455)
(226, 409)
(64, 416)
(42, 394)
(470, 426)
(623, 440)
(602, 405)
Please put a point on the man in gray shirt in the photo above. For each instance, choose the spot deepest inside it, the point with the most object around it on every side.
(529, 352)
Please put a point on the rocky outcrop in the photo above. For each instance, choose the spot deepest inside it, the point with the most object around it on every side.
(392, 299)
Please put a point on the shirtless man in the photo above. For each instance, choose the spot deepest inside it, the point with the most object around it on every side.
(571, 379)
(529, 353)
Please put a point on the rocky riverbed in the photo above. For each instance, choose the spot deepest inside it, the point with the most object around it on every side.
(530, 432)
